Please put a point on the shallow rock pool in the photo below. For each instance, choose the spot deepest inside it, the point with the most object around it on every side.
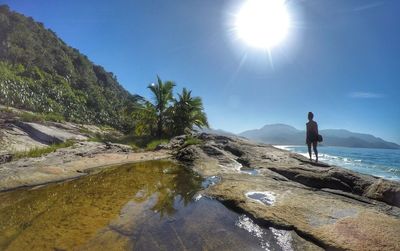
(141, 206)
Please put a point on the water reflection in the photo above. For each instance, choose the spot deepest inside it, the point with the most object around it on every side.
(66, 215)
(144, 206)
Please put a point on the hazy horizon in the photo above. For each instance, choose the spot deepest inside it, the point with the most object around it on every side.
(300, 129)
(339, 59)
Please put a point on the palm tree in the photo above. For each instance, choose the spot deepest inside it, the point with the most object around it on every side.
(146, 119)
(188, 112)
(162, 97)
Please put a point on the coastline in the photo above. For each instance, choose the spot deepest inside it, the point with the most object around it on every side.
(333, 207)
(378, 162)
(330, 206)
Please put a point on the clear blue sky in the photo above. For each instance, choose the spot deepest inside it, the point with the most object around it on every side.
(341, 59)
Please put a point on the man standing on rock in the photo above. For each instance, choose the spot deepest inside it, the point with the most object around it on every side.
(312, 135)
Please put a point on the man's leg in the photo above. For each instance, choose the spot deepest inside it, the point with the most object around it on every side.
(315, 151)
(309, 149)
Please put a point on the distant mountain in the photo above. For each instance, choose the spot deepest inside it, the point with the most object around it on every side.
(41, 73)
(281, 134)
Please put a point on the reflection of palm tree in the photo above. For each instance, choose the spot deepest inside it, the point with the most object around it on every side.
(91, 202)
(182, 183)
(165, 203)
(187, 185)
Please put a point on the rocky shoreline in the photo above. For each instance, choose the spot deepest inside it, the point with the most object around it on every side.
(334, 208)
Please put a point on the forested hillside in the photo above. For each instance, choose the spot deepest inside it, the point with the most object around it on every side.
(40, 73)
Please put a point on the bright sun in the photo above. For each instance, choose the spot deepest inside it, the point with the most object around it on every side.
(262, 23)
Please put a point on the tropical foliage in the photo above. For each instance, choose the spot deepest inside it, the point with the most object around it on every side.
(188, 111)
(40, 73)
(163, 96)
(168, 116)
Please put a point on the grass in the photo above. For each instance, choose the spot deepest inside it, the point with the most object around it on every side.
(40, 151)
(154, 143)
(33, 117)
(40, 117)
(6, 109)
(84, 130)
(192, 141)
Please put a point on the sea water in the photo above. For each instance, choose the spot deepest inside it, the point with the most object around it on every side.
(383, 163)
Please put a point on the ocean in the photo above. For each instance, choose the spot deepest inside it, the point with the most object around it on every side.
(383, 163)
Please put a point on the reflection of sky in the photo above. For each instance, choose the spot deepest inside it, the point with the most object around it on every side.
(340, 59)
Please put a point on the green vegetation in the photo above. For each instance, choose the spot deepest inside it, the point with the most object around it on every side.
(162, 96)
(40, 73)
(38, 117)
(154, 143)
(187, 112)
(168, 116)
(192, 141)
(39, 151)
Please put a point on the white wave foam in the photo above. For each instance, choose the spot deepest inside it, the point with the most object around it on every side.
(355, 162)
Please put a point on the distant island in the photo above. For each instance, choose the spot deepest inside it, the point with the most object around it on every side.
(282, 134)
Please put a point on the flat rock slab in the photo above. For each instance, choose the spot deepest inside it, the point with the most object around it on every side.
(48, 133)
(14, 139)
(68, 163)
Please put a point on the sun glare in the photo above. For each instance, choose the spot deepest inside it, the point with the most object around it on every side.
(262, 23)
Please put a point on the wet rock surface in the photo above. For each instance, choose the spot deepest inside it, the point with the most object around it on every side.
(71, 162)
(143, 206)
(328, 205)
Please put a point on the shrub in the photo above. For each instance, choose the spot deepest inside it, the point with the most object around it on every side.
(56, 117)
(154, 143)
(192, 141)
(31, 117)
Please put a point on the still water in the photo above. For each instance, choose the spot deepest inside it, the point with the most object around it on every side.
(143, 206)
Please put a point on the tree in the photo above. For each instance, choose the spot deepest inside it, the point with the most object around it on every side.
(146, 119)
(187, 112)
(162, 97)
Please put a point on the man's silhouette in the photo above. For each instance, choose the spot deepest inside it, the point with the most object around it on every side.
(312, 135)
